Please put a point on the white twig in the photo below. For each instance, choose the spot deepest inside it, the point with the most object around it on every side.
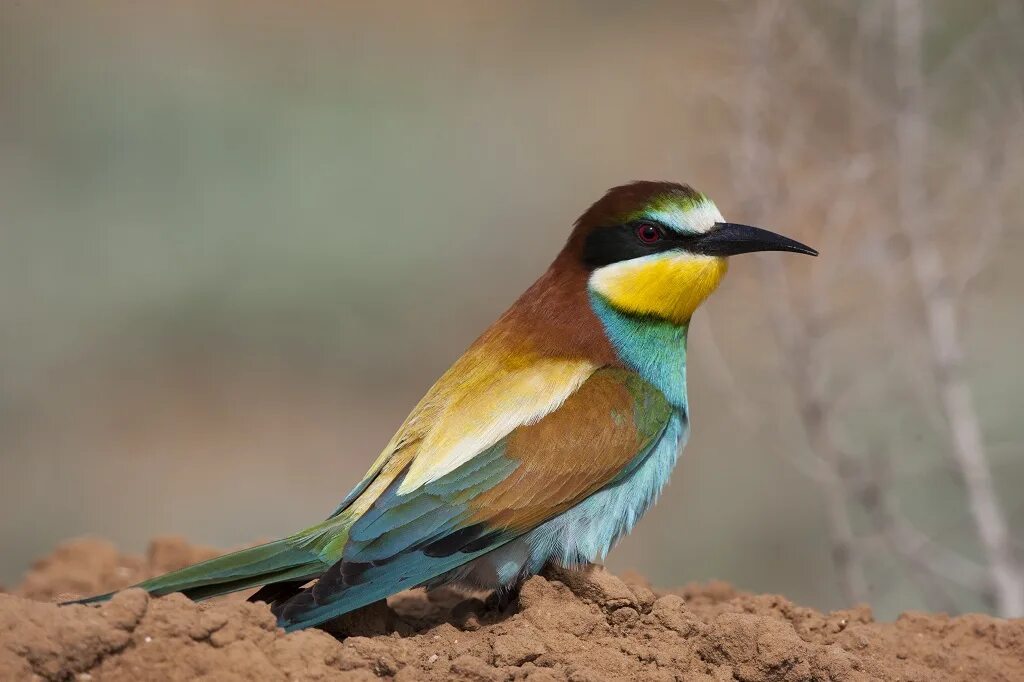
(934, 284)
(752, 177)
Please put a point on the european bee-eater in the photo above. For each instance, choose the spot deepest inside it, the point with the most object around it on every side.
(545, 442)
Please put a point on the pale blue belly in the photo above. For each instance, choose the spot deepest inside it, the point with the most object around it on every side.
(589, 530)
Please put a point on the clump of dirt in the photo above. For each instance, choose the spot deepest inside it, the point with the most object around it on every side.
(574, 626)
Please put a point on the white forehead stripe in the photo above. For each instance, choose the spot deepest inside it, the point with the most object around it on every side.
(699, 217)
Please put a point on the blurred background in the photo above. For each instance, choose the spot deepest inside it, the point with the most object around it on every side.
(239, 240)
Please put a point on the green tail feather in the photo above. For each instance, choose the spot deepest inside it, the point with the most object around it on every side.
(269, 563)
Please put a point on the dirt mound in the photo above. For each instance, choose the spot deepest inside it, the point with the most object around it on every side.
(568, 626)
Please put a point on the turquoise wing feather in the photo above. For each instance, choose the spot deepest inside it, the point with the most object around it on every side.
(403, 541)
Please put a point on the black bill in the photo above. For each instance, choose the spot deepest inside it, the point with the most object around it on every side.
(730, 239)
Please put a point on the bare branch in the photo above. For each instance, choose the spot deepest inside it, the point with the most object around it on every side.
(943, 333)
(925, 556)
(903, 272)
(751, 177)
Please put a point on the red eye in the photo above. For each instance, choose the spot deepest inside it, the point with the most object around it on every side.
(648, 233)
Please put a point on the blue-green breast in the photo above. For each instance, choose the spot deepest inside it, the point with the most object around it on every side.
(655, 349)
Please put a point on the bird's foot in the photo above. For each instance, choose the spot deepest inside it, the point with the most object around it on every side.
(504, 598)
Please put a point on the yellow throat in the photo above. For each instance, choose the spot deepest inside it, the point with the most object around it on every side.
(670, 285)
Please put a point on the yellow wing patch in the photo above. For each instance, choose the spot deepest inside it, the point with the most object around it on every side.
(492, 389)
(670, 286)
(484, 409)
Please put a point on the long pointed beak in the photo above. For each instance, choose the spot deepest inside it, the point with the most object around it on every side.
(730, 239)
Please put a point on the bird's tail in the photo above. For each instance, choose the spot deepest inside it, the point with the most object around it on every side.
(272, 562)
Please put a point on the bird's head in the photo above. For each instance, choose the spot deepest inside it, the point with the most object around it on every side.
(659, 248)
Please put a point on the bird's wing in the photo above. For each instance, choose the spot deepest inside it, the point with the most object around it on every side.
(461, 506)
(493, 388)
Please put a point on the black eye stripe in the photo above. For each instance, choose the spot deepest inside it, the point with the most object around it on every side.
(607, 245)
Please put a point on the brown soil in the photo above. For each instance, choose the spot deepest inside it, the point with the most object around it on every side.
(568, 626)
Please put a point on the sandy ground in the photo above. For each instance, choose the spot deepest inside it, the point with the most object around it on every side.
(575, 626)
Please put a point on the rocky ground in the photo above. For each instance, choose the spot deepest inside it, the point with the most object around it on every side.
(567, 626)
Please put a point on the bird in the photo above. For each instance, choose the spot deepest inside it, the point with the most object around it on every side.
(544, 443)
